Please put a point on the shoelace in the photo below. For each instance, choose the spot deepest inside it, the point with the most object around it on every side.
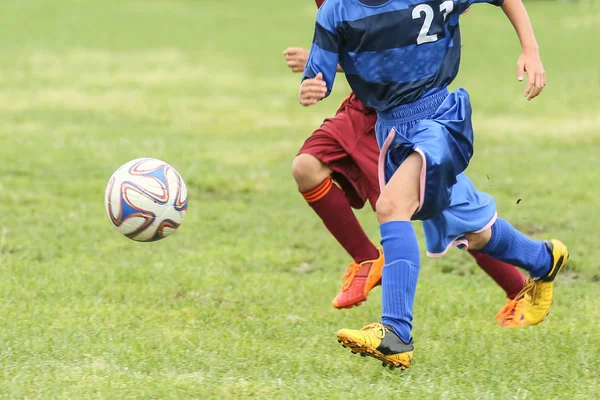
(380, 330)
(349, 274)
(529, 288)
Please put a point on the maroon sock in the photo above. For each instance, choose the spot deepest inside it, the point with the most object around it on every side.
(507, 276)
(330, 203)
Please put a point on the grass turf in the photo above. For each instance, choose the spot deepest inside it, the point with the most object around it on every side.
(236, 304)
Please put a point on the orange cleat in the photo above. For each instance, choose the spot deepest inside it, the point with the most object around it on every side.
(359, 279)
(511, 315)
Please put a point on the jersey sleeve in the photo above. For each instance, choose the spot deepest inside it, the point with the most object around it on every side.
(324, 52)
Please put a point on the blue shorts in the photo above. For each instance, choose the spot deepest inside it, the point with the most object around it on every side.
(438, 127)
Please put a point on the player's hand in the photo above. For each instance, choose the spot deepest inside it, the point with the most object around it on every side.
(312, 90)
(296, 58)
(530, 62)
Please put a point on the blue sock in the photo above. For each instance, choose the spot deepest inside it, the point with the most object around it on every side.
(509, 245)
(399, 275)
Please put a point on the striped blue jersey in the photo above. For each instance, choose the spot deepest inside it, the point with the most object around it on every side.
(393, 52)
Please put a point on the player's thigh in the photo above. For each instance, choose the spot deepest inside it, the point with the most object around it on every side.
(338, 145)
(399, 199)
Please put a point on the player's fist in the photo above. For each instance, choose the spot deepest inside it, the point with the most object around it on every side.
(530, 62)
(312, 90)
(296, 58)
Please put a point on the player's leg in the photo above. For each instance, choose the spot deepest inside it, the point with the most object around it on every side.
(543, 260)
(330, 203)
(391, 341)
(323, 156)
(417, 162)
(475, 212)
(498, 239)
(509, 278)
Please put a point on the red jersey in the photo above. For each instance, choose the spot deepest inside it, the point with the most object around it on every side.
(319, 2)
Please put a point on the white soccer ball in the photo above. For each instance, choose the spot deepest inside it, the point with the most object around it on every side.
(146, 199)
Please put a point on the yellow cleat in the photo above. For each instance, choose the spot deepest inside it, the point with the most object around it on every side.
(537, 293)
(511, 315)
(380, 342)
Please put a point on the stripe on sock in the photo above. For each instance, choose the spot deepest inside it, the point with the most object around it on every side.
(318, 192)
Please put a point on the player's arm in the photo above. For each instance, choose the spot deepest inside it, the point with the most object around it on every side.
(318, 77)
(321, 67)
(296, 58)
(529, 60)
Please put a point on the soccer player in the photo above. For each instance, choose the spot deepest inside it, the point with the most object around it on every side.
(344, 150)
(399, 57)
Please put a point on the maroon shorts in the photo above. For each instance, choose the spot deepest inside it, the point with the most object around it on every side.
(346, 143)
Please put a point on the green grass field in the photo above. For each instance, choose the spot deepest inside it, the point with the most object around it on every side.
(237, 303)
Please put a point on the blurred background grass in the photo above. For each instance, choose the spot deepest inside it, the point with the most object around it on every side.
(236, 304)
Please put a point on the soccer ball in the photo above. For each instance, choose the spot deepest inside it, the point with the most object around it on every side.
(146, 199)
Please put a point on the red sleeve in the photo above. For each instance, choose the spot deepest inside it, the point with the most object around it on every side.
(319, 3)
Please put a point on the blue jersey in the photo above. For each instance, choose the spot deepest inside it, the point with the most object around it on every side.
(393, 52)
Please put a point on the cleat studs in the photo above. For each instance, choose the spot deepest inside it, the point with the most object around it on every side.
(339, 341)
(344, 346)
(363, 354)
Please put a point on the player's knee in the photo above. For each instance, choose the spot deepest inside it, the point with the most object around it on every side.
(478, 240)
(308, 171)
(395, 208)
